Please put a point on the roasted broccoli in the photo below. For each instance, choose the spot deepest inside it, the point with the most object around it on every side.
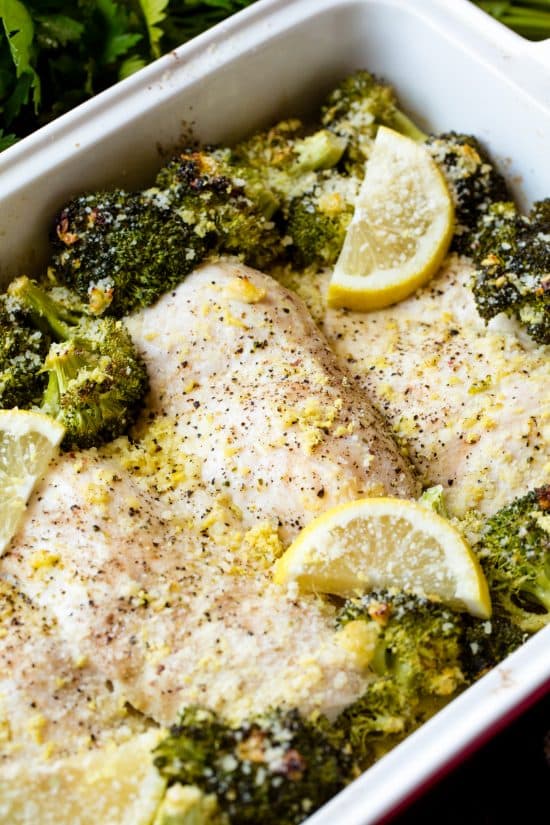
(378, 720)
(512, 255)
(472, 179)
(417, 661)
(356, 108)
(239, 196)
(95, 380)
(281, 156)
(514, 550)
(317, 220)
(512, 252)
(419, 640)
(270, 149)
(22, 351)
(399, 701)
(274, 769)
(120, 251)
(354, 111)
(284, 194)
(486, 643)
(315, 200)
(231, 207)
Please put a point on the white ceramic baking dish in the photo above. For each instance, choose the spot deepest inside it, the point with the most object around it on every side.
(454, 68)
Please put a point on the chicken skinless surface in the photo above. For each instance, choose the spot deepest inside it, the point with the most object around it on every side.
(141, 577)
(468, 401)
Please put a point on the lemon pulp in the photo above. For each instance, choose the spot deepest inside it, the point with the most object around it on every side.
(401, 228)
(386, 543)
(28, 442)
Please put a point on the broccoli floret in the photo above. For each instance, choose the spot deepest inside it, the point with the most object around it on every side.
(96, 381)
(362, 103)
(120, 251)
(486, 643)
(320, 150)
(496, 237)
(390, 709)
(239, 196)
(274, 769)
(231, 207)
(315, 201)
(473, 182)
(356, 108)
(282, 155)
(273, 148)
(22, 352)
(418, 644)
(377, 721)
(318, 220)
(496, 228)
(417, 661)
(514, 550)
(513, 266)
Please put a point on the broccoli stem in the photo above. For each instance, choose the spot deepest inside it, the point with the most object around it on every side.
(49, 316)
(405, 126)
(322, 150)
(63, 365)
(541, 590)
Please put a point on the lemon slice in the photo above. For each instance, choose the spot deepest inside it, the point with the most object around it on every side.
(401, 228)
(28, 442)
(386, 542)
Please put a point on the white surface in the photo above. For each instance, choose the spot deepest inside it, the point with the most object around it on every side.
(450, 63)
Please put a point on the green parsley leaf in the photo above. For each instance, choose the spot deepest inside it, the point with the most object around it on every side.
(19, 30)
(54, 54)
(154, 11)
(119, 39)
(132, 64)
(6, 140)
(56, 30)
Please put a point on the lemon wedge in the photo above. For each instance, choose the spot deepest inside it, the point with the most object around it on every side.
(381, 543)
(28, 442)
(401, 228)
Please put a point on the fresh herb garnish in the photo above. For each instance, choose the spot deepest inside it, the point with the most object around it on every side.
(530, 18)
(54, 54)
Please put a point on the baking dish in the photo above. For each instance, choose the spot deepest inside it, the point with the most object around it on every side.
(452, 67)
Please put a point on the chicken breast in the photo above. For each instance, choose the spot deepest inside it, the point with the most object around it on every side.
(160, 612)
(469, 402)
(150, 560)
(47, 694)
(259, 397)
